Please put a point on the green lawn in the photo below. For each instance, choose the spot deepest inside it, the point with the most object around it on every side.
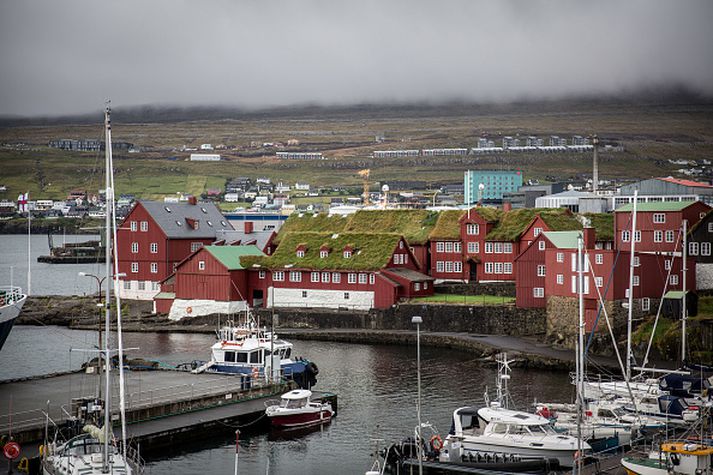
(465, 299)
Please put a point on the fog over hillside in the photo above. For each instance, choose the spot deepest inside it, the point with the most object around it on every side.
(61, 58)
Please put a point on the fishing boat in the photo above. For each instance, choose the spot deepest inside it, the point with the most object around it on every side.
(252, 351)
(679, 457)
(296, 409)
(11, 301)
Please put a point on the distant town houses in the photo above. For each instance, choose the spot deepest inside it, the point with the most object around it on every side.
(87, 145)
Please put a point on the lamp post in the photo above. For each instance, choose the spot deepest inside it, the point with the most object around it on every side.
(100, 281)
(418, 320)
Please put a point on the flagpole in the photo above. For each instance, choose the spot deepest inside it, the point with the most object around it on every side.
(29, 246)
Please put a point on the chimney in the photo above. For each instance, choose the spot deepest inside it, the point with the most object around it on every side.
(507, 206)
(590, 237)
(248, 227)
(192, 200)
(595, 170)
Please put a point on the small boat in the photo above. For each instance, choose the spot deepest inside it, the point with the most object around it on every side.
(246, 349)
(678, 457)
(11, 301)
(296, 409)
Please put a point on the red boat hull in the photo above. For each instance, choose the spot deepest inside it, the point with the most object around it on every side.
(301, 420)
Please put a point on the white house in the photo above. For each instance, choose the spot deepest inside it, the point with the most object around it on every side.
(205, 157)
(206, 146)
(302, 186)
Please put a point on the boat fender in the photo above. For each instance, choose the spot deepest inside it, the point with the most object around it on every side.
(675, 459)
(313, 368)
(255, 372)
(436, 443)
(24, 465)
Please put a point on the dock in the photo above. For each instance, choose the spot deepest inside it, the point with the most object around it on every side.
(162, 406)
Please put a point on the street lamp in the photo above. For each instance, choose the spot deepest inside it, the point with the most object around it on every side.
(418, 320)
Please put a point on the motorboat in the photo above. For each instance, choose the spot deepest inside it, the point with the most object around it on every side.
(11, 301)
(493, 429)
(679, 457)
(247, 349)
(296, 409)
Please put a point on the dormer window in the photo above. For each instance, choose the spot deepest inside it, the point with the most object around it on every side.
(347, 254)
(300, 253)
(192, 223)
(323, 253)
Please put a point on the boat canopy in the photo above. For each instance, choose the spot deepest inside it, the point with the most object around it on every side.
(508, 416)
(297, 394)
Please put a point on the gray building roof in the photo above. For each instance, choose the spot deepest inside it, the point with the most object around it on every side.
(260, 238)
(173, 219)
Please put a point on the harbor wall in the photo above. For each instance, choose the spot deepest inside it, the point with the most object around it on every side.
(498, 289)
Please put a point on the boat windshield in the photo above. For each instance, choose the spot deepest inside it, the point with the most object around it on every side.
(83, 446)
(293, 403)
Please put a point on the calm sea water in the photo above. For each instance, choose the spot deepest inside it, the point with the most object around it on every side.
(376, 385)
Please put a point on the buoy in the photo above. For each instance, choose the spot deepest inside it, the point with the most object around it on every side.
(189, 310)
(11, 450)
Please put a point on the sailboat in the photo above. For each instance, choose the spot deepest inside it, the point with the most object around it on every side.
(93, 452)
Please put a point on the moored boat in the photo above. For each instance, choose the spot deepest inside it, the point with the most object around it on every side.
(296, 409)
(673, 457)
(11, 301)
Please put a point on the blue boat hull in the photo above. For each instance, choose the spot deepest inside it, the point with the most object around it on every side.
(302, 372)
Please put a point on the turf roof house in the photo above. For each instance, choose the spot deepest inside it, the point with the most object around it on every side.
(336, 270)
(547, 276)
(155, 236)
(210, 280)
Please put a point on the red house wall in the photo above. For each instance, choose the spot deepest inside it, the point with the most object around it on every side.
(125, 237)
(213, 283)
(526, 278)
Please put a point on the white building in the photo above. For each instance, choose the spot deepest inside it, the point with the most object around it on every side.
(205, 157)
(300, 155)
(231, 197)
(436, 152)
(302, 186)
(206, 146)
(396, 153)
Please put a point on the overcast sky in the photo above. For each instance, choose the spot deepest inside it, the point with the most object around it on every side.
(64, 57)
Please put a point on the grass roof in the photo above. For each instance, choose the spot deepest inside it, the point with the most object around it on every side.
(603, 224)
(560, 220)
(448, 225)
(513, 223)
(655, 206)
(322, 222)
(413, 224)
(488, 213)
(372, 251)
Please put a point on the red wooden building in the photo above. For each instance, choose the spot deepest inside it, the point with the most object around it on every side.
(210, 280)
(342, 270)
(154, 237)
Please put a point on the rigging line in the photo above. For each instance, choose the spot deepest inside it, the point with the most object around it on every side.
(611, 333)
(66, 335)
(658, 312)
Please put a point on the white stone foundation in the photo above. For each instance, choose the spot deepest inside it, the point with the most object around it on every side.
(196, 308)
(134, 293)
(292, 298)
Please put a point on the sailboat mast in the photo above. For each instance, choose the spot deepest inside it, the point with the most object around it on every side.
(580, 352)
(631, 287)
(29, 246)
(684, 310)
(108, 198)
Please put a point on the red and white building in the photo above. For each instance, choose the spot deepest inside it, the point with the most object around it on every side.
(349, 270)
(155, 236)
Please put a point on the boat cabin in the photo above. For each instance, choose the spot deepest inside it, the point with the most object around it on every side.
(295, 399)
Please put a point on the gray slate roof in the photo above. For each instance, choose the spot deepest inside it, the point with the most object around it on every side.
(233, 235)
(168, 215)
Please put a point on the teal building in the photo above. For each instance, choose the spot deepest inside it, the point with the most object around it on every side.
(494, 184)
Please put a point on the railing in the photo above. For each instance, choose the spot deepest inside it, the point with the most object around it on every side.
(10, 295)
(18, 421)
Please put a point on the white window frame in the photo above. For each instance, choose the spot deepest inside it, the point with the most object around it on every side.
(674, 279)
(472, 229)
(300, 253)
(323, 253)
(669, 236)
(261, 274)
(658, 235)
(635, 281)
(336, 277)
(440, 266)
(154, 267)
(667, 264)
(537, 232)
(488, 267)
(541, 245)
(133, 226)
(457, 246)
(706, 248)
(659, 218)
(507, 248)
(153, 248)
(560, 257)
(201, 265)
(693, 248)
(538, 292)
(599, 281)
(278, 276)
(710, 227)
(599, 258)
(440, 246)
(449, 246)
(488, 247)
(498, 267)
(471, 247)
(372, 279)
(637, 261)
(541, 271)
(352, 278)
(195, 246)
(144, 226)
(134, 247)
(625, 236)
(560, 279)
(645, 304)
(314, 277)
(325, 277)
(507, 268)
(449, 267)
(416, 286)
(347, 254)
(134, 267)
(498, 248)
(295, 276)
(363, 279)
(637, 236)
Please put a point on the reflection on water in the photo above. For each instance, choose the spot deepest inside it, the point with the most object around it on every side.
(376, 385)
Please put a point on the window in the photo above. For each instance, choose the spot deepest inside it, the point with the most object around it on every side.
(599, 258)
(362, 278)
(471, 248)
(658, 236)
(134, 247)
(560, 279)
(626, 293)
(669, 236)
(154, 248)
(537, 231)
(133, 226)
(371, 279)
(325, 277)
(637, 236)
(261, 274)
(401, 244)
(560, 257)
(458, 266)
(323, 253)
(645, 304)
(706, 248)
(295, 276)
(278, 276)
(674, 279)
(314, 277)
(488, 267)
(456, 247)
(440, 246)
(659, 218)
(134, 267)
(599, 281)
(635, 281)
(439, 266)
(472, 229)
(693, 248)
(637, 261)
(498, 267)
(625, 236)
(425, 285)
(347, 254)
(142, 286)
(538, 292)
(304, 294)
(667, 264)
(416, 286)
(574, 284)
(498, 248)
(449, 267)
(541, 245)
(201, 265)
(127, 285)
(507, 248)
(154, 268)
(507, 268)
(336, 277)
(300, 253)
(346, 295)
(541, 271)
(144, 226)
(352, 278)
(710, 227)
(449, 246)
(488, 247)
(195, 246)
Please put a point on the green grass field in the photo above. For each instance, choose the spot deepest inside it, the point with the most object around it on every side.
(465, 299)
